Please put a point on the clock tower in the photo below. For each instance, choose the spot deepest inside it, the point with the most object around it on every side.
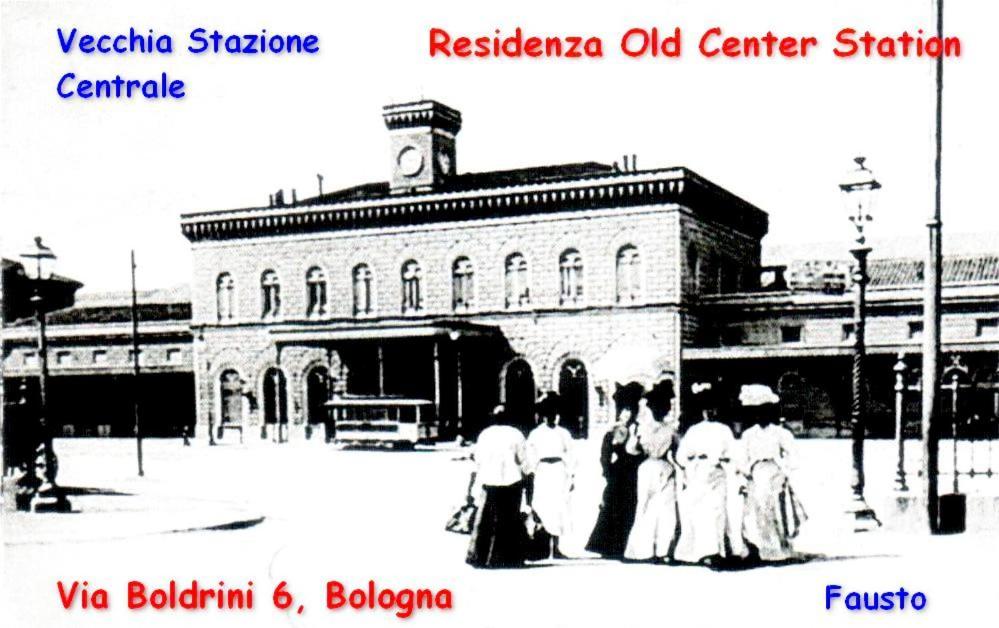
(422, 140)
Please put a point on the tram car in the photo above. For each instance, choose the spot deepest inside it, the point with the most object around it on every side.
(374, 420)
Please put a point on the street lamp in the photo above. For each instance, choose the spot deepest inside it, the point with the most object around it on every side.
(48, 496)
(859, 190)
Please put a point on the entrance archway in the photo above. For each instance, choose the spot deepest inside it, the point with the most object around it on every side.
(316, 394)
(231, 401)
(275, 396)
(574, 390)
(519, 392)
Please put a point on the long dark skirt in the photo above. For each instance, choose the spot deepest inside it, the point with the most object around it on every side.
(617, 510)
(498, 536)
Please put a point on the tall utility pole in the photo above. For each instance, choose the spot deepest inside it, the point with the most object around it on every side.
(931, 312)
(135, 368)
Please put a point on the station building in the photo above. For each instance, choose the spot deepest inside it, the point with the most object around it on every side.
(471, 289)
(464, 289)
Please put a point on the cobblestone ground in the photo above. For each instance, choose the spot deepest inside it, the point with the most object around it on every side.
(355, 516)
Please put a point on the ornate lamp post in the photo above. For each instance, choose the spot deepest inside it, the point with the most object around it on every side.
(900, 387)
(48, 497)
(859, 190)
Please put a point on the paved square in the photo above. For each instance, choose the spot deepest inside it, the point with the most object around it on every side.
(360, 515)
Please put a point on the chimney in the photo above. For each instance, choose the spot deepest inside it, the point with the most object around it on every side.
(422, 140)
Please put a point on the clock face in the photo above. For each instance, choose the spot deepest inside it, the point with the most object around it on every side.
(410, 161)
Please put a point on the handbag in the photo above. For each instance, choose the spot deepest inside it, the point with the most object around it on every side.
(537, 541)
(792, 512)
(462, 520)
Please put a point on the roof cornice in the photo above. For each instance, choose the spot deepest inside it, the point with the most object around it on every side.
(625, 189)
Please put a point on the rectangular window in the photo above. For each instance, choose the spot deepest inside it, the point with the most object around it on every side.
(790, 333)
(915, 330)
(987, 328)
(64, 358)
(849, 331)
(100, 356)
(732, 336)
(31, 359)
(173, 356)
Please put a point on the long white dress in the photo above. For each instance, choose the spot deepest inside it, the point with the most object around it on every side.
(772, 513)
(654, 531)
(550, 452)
(710, 504)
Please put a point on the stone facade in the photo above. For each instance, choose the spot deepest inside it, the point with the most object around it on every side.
(595, 214)
(544, 333)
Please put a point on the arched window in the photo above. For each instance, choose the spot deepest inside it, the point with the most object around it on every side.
(570, 266)
(462, 284)
(694, 269)
(629, 274)
(362, 278)
(412, 300)
(270, 294)
(225, 289)
(517, 285)
(315, 293)
(709, 271)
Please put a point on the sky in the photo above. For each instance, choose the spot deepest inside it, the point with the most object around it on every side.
(98, 178)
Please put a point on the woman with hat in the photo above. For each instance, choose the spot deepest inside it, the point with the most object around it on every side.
(549, 447)
(654, 531)
(772, 513)
(619, 460)
(710, 503)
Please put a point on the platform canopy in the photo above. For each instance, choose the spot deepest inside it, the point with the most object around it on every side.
(381, 330)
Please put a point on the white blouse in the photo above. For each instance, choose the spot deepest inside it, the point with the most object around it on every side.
(499, 456)
(772, 442)
(549, 442)
(710, 441)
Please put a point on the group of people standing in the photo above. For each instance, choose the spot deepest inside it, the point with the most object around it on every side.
(523, 486)
(702, 497)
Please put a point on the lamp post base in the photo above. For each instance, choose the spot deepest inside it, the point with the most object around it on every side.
(863, 516)
(50, 498)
